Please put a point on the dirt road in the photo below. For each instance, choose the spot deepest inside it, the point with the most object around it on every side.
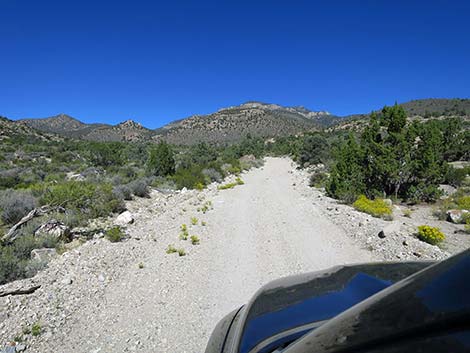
(255, 233)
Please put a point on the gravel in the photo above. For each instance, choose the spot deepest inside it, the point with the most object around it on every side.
(132, 296)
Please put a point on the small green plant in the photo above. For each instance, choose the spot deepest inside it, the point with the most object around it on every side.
(184, 232)
(203, 223)
(238, 181)
(407, 213)
(181, 252)
(36, 329)
(206, 206)
(430, 235)
(171, 249)
(195, 240)
(199, 186)
(194, 221)
(466, 227)
(114, 234)
(141, 265)
(18, 338)
(377, 208)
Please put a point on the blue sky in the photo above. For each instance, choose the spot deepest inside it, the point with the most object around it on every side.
(156, 61)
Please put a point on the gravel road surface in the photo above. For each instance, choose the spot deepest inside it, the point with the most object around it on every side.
(142, 299)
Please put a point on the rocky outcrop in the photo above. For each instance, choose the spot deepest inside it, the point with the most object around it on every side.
(457, 216)
(55, 229)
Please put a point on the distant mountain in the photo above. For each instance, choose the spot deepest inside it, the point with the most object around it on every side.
(67, 126)
(233, 123)
(254, 118)
(10, 129)
(226, 125)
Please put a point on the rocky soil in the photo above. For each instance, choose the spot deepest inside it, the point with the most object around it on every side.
(133, 296)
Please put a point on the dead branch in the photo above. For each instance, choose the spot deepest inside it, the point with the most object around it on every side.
(20, 291)
(39, 211)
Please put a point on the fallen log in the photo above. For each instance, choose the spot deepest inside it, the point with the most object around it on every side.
(39, 211)
(20, 291)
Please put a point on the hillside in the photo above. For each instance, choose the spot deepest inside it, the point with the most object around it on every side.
(68, 126)
(254, 118)
(10, 129)
(419, 109)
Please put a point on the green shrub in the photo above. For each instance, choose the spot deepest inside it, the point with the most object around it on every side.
(171, 249)
(36, 329)
(407, 213)
(114, 234)
(239, 181)
(318, 179)
(194, 221)
(139, 188)
(161, 161)
(199, 186)
(181, 252)
(376, 208)
(184, 232)
(123, 192)
(15, 205)
(195, 240)
(189, 177)
(94, 200)
(463, 202)
(430, 235)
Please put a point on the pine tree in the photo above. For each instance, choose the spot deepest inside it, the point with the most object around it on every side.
(161, 161)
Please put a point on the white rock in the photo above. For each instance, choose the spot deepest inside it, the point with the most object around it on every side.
(124, 219)
(43, 255)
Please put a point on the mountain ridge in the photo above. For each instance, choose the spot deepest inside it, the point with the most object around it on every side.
(229, 124)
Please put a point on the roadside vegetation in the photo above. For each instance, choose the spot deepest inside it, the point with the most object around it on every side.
(390, 157)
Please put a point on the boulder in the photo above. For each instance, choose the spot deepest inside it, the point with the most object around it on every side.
(55, 229)
(43, 255)
(447, 190)
(456, 216)
(124, 219)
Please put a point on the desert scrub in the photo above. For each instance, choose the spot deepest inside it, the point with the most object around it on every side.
(195, 240)
(184, 232)
(194, 221)
(205, 207)
(14, 205)
(181, 252)
(463, 202)
(114, 234)
(171, 249)
(377, 208)
(36, 329)
(407, 213)
(430, 235)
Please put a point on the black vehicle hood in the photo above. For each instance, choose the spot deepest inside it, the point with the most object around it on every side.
(288, 308)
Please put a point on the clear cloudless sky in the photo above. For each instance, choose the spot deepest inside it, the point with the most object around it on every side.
(157, 61)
